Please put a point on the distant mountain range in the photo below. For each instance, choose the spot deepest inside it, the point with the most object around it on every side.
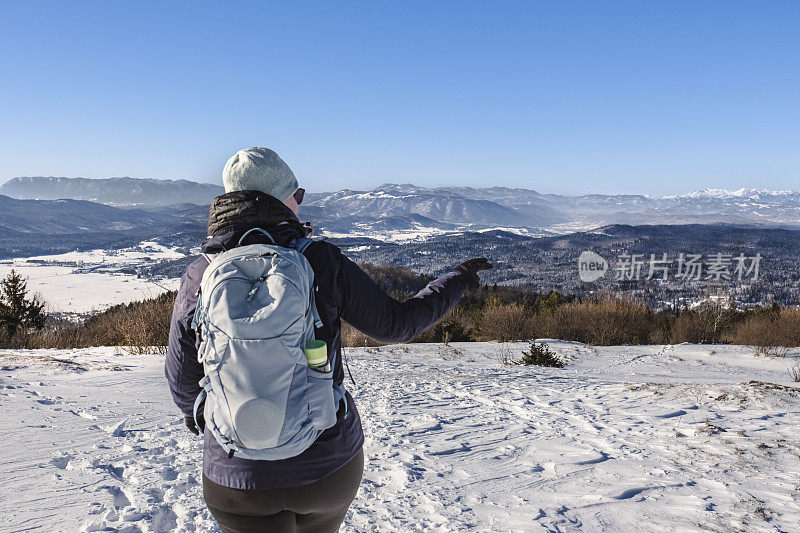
(431, 230)
(112, 191)
(430, 211)
(34, 227)
(69, 216)
(406, 212)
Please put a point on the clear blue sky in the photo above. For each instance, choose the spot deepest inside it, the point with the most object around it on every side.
(648, 97)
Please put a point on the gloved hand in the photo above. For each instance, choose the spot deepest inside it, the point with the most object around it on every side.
(471, 268)
(195, 428)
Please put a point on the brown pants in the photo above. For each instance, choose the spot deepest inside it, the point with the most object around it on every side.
(319, 507)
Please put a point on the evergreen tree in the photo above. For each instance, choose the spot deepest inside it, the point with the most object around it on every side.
(540, 354)
(17, 311)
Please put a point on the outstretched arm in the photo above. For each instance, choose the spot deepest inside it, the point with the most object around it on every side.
(368, 308)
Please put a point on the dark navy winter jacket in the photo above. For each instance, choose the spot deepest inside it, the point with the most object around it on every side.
(345, 292)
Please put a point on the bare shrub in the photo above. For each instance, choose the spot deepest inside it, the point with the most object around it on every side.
(506, 323)
(455, 326)
(660, 329)
(769, 333)
(689, 326)
(447, 330)
(603, 322)
(770, 351)
(794, 372)
(705, 325)
(145, 328)
(353, 338)
(505, 355)
(138, 327)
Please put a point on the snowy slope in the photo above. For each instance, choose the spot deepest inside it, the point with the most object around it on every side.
(655, 438)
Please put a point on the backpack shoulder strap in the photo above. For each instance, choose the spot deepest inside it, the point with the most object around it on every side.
(301, 244)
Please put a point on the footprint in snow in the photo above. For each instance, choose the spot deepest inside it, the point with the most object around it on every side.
(62, 461)
(169, 474)
(164, 519)
(115, 471)
(118, 496)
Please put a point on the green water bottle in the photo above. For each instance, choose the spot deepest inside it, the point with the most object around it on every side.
(317, 355)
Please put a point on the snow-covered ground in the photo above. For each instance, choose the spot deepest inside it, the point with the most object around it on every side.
(77, 283)
(647, 438)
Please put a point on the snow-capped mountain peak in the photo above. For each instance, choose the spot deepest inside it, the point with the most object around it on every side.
(724, 194)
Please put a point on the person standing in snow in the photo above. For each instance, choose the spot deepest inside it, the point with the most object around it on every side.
(310, 492)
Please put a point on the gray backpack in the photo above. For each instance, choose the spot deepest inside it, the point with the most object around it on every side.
(255, 313)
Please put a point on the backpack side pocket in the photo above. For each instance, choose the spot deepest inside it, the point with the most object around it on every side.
(321, 405)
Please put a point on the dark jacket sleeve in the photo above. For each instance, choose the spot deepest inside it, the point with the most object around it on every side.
(180, 366)
(368, 308)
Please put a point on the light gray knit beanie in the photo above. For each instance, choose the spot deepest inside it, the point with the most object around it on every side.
(259, 169)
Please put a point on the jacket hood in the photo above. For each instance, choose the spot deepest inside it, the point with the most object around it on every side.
(232, 214)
